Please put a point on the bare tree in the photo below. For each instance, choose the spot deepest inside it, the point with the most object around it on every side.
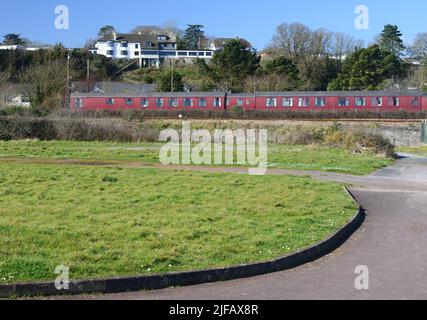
(45, 84)
(343, 45)
(293, 39)
(418, 50)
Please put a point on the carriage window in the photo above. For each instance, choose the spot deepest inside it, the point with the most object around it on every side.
(394, 102)
(303, 102)
(360, 102)
(110, 101)
(188, 102)
(248, 102)
(144, 102)
(287, 102)
(202, 102)
(343, 102)
(173, 102)
(271, 102)
(239, 102)
(217, 102)
(129, 101)
(377, 101)
(415, 102)
(159, 102)
(320, 102)
(78, 103)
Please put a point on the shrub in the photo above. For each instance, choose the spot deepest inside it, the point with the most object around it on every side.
(362, 142)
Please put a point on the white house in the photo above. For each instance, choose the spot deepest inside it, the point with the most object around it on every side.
(150, 51)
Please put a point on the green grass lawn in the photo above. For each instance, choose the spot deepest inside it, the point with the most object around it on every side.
(421, 151)
(105, 221)
(280, 156)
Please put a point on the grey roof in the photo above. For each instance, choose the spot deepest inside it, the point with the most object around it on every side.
(114, 88)
(221, 42)
(123, 94)
(142, 39)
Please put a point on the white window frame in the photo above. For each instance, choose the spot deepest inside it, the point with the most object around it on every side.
(217, 102)
(322, 104)
(391, 101)
(268, 102)
(202, 105)
(160, 102)
(303, 99)
(173, 102)
(287, 102)
(145, 103)
(377, 101)
(362, 99)
(185, 104)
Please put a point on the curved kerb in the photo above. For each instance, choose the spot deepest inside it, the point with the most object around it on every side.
(161, 281)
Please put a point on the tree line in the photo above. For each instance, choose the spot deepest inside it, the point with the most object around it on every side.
(297, 58)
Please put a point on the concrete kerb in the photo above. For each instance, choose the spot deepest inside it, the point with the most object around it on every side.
(161, 281)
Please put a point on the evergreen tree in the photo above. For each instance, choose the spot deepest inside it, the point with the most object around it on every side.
(391, 40)
(233, 64)
(367, 69)
(14, 39)
(194, 37)
(106, 31)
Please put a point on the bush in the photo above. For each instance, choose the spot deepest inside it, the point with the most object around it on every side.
(369, 143)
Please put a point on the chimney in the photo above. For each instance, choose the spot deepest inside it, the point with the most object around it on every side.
(114, 36)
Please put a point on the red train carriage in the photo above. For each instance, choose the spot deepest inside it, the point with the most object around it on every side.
(377, 101)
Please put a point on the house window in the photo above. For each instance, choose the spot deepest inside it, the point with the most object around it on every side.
(124, 53)
(240, 102)
(287, 102)
(78, 103)
(136, 45)
(159, 102)
(394, 102)
(217, 102)
(173, 102)
(144, 102)
(124, 45)
(110, 101)
(303, 102)
(209, 54)
(110, 53)
(377, 101)
(188, 102)
(360, 102)
(162, 38)
(319, 101)
(136, 53)
(415, 102)
(129, 101)
(271, 102)
(202, 102)
(343, 102)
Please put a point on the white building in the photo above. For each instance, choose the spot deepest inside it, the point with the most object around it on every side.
(150, 51)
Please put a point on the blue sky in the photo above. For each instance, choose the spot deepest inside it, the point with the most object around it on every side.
(254, 20)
